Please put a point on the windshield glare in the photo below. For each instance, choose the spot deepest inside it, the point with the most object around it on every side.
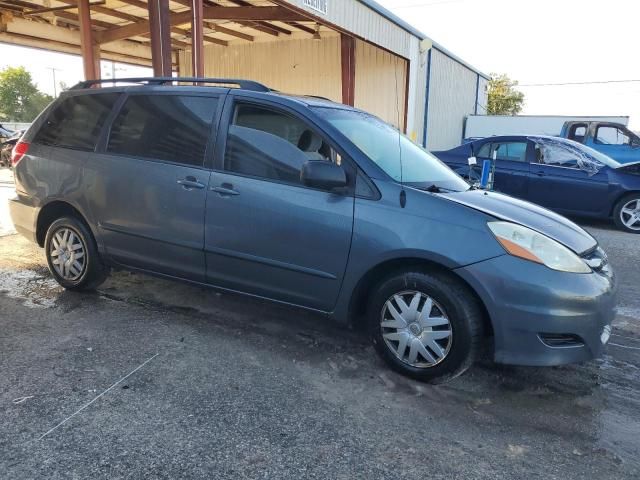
(399, 157)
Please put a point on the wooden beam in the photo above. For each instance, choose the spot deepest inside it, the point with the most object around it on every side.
(158, 24)
(90, 61)
(197, 40)
(227, 31)
(70, 6)
(73, 19)
(348, 62)
(210, 13)
(304, 28)
(243, 3)
(207, 38)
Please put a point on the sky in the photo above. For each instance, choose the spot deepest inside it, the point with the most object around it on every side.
(532, 41)
(542, 42)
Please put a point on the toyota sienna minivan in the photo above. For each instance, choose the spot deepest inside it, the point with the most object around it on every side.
(310, 203)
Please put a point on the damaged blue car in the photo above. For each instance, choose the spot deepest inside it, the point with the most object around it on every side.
(556, 173)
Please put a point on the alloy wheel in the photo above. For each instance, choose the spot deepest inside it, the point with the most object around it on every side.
(630, 214)
(416, 329)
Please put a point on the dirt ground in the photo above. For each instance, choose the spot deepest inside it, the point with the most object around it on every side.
(151, 378)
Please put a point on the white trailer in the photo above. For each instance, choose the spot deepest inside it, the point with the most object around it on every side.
(480, 126)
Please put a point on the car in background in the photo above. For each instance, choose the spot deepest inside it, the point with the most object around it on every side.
(556, 173)
(610, 138)
(6, 147)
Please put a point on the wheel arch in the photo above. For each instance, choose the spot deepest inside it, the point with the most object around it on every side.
(53, 210)
(621, 197)
(368, 281)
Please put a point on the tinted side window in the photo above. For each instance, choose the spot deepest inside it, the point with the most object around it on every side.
(510, 151)
(76, 121)
(269, 144)
(165, 127)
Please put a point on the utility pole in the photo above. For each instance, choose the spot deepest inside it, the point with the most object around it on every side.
(55, 84)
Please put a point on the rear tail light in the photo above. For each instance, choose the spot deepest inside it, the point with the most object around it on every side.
(18, 152)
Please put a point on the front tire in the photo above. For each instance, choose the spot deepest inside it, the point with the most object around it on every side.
(72, 255)
(626, 214)
(427, 326)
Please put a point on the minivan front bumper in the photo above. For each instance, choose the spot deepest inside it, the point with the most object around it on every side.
(543, 317)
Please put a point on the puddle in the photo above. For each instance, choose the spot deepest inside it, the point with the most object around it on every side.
(36, 290)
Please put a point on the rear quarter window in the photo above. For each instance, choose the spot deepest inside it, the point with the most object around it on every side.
(174, 128)
(76, 121)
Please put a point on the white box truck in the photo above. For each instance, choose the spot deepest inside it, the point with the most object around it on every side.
(481, 126)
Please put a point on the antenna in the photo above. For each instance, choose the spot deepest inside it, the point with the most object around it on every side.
(403, 195)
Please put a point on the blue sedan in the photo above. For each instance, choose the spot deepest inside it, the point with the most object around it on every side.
(556, 173)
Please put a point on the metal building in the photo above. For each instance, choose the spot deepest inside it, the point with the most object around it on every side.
(351, 51)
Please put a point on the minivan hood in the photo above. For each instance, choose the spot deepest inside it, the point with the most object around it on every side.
(527, 214)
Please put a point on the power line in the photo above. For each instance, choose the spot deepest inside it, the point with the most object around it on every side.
(426, 4)
(595, 82)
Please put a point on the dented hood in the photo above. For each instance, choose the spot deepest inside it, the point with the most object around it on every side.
(527, 214)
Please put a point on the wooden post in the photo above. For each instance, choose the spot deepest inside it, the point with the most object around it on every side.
(348, 61)
(197, 43)
(160, 37)
(90, 61)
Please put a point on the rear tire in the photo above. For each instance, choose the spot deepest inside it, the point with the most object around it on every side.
(626, 210)
(444, 325)
(72, 255)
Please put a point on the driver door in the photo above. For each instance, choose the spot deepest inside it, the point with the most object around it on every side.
(266, 233)
(557, 181)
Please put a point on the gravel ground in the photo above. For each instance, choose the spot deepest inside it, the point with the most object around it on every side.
(150, 378)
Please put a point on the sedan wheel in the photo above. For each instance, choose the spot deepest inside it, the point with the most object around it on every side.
(416, 329)
(630, 214)
(626, 213)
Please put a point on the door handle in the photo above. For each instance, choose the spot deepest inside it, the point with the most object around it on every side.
(190, 182)
(225, 190)
(540, 174)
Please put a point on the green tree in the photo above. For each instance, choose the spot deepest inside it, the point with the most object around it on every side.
(503, 98)
(20, 99)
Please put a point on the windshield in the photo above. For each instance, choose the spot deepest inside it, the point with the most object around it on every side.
(399, 157)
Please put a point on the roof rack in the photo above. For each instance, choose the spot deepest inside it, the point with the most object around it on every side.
(244, 84)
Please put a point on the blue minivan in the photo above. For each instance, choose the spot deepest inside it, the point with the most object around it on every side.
(311, 203)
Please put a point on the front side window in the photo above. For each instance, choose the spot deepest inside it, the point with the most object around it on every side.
(399, 157)
(164, 127)
(269, 144)
(76, 121)
(564, 153)
(609, 135)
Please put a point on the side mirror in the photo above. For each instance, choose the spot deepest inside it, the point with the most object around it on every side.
(323, 175)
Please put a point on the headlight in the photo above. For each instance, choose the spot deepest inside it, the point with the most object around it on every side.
(525, 243)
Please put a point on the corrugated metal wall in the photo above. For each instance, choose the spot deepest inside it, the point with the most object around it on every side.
(452, 96)
(298, 66)
(357, 18)
(361, 20)
(305, 66)
(381, 79)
